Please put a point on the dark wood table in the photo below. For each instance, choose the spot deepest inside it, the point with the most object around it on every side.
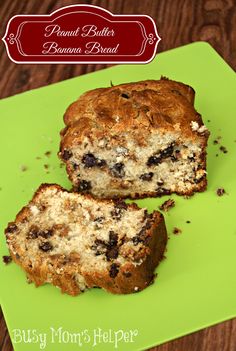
(179, 22)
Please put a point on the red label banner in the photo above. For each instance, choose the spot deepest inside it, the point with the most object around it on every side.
(81, 34)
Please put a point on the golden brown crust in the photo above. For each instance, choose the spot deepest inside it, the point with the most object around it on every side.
(152, 104)
(131, 277)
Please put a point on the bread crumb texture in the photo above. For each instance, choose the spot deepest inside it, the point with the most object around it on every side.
(76, 242)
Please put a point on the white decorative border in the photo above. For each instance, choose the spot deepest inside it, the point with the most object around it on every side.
(147, 38)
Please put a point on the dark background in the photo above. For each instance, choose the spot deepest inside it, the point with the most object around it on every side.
(178, 22)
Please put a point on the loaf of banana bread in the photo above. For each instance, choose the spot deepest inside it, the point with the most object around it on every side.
(135, 140)
(76, 242)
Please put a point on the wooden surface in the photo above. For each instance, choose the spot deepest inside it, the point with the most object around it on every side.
(179, 22)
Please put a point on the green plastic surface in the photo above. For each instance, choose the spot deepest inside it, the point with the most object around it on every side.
(196, 284)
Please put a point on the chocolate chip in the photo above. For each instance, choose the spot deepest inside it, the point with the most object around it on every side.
(114, 270)
(75, 166)
(118, 211)
(153, 160)
(46, 246)
(118, 170)
(66, 155)
(142, 236)
(90, 161)
(147, 176)
(113, 238)
(12, 227)
(160, 183)
(156, 159)
(136, 240)
(6, 259)
(46, 233)
(33, 232)
(127, 274)
(112, 253)
(84, 185)
(168, 151)
(125, 96)
(220, 191)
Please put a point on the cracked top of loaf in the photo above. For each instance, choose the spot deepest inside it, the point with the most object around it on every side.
(162, 105)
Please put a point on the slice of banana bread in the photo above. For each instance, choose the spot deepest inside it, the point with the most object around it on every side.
(135, 140)
(77, 242)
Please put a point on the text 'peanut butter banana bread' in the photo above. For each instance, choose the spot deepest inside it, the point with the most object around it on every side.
(135, 140)
(77, 242)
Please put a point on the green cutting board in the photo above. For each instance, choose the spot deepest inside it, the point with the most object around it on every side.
(196, 284)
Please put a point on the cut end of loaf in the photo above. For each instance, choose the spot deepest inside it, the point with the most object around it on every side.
(164, 164)
(135, 140)
(77, 242)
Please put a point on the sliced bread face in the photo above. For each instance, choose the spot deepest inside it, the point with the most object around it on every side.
(77, 242)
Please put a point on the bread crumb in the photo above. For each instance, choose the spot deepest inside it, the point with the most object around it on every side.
(6, 259)
(177, 231)
(202, 129)
(196, 128)
(48, 153)
(223, 149)
(167, 205)
(23, 168)
(220, 191)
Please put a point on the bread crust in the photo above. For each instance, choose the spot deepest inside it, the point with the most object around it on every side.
(139, 277)
(152, 105)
